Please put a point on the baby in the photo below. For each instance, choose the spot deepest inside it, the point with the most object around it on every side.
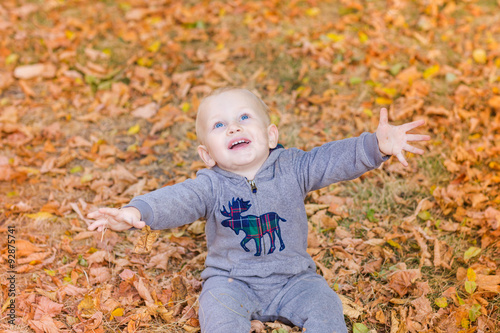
(252, 196)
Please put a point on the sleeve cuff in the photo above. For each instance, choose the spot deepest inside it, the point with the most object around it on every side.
(372, 150)
(147, 214)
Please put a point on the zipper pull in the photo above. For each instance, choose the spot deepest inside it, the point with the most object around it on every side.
(252, 185)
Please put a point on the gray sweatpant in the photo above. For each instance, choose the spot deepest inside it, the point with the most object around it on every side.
(228, 305)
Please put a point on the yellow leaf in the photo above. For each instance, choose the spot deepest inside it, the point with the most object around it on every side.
(118, 312)
(368, 112)
(471, 252)
(431, 71)
(471, 275)
(494, 165)
(145, 62)
(134, 129)
(86, 178)
(87, 305)
(464, 323)
(479, 56)
(383, 101)
(470, 286)
(154, 47)
(185, 107)
(390, 91)
(40, 216)
(363, 38)
(314, 11)
(69, 34)
(441, 302)
(50, 272)
(12, 58)
(335, 37)
(393, 244)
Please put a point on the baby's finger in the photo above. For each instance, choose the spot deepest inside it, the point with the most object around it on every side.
(417, 137)
(383, 116)
(409, 126)
(97, 224)
(94, 215)
(402, 159)
(139, 224)
(113, 212)
(413, 150)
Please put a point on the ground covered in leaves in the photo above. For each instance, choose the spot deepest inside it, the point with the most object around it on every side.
(97, 105)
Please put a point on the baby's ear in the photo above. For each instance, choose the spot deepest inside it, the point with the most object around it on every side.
(205, 156)
(272, 132)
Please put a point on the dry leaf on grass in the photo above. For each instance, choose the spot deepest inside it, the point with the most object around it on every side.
(351, 309)
(402, 281)
(145, 243)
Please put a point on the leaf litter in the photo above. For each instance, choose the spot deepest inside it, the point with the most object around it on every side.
(98, 103)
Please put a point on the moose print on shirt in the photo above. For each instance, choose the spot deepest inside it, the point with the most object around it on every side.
(254, 227)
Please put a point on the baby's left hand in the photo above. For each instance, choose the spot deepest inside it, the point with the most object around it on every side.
(392, 140)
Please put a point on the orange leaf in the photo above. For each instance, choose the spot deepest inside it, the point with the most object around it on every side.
(25, 248)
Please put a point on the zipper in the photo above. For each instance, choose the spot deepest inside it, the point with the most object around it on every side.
(252, 185)
(254, 191)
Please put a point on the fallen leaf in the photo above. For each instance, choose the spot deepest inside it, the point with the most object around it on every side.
(25, 248)
(402, 281)
(145, 243)
(91, 325)
(146, 111)
(351, 309)
(46, 307)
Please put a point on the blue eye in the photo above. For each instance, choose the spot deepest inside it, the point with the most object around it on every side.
(218, 125)
(244, 117)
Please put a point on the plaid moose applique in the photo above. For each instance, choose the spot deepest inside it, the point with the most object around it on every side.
(254, 227)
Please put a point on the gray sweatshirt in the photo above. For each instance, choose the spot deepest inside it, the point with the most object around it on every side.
(258, 229)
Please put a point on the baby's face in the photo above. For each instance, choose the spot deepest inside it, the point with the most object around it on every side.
(235, 132)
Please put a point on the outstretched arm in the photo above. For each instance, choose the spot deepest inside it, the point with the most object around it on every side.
(116, 219)
(392, 140)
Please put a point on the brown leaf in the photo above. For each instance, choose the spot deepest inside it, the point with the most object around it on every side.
(351, 309)
(146, 111)
(161, 259)
(46, 307)
(145, 243)
(99, 275)
(494, 102)
(179, 289)
(71, 290)
(402, 281)
(127, 275)
(25, 248)
(45, 324)
(488, 282)
(34, 257)
(143, 290)
(256, 326)
(99, 257)
(423, 309)
(373, 266)
(91, 325)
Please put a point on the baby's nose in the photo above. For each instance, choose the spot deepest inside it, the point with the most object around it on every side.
(234, 129)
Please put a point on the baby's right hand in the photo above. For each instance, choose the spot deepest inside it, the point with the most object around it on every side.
(116, 219)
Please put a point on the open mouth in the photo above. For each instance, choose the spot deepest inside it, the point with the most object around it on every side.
(238, 143)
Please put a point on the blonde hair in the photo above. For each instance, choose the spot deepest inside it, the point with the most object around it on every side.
(219, 91)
